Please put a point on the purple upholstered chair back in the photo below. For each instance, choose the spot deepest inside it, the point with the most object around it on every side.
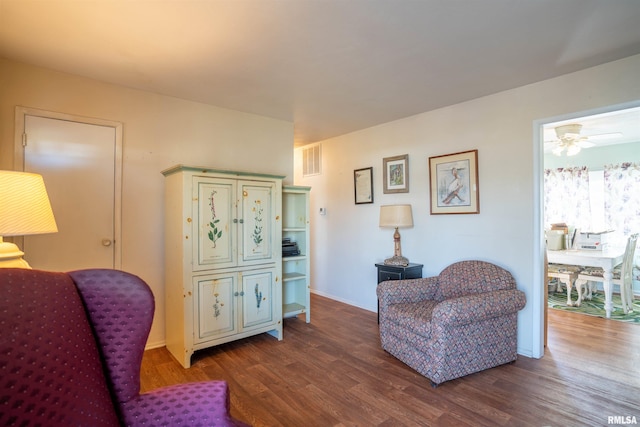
(51, 373)
(55, 328)
(472, 277)
(120, 306)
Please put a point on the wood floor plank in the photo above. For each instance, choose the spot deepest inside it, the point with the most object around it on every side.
(333, 372)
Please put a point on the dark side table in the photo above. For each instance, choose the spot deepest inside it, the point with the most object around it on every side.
(397, 272)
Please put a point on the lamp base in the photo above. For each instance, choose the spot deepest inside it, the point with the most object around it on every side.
(397, 260)
(11, 256)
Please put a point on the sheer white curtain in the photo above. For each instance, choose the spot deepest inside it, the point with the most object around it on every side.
(566, 197)
(622, 197)
(622, 204)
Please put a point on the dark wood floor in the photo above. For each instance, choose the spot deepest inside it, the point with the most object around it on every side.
(332, 372)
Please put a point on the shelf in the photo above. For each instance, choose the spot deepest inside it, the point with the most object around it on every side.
(293, 309)
(296, 269)
(293, 276)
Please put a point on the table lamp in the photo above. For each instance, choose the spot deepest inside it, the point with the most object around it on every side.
(24, 210)
(396, 216)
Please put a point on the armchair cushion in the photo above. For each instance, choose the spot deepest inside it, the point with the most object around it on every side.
(414, 315)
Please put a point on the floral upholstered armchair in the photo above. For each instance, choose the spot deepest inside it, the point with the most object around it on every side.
(460, 322)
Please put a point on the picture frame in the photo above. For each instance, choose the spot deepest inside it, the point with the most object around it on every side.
(396, 174)
(453, 183)
(363, 185)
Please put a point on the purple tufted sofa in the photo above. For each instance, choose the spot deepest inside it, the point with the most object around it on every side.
(71, 351)
(460, 322)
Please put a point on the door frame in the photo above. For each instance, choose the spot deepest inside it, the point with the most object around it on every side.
(18, 163)
(539, 306)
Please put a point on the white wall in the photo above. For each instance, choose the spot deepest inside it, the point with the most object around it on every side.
(159, 132)
(347, 242)
(595, 158)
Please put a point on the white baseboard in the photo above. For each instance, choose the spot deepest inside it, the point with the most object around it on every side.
(335, 298)
(151, 346)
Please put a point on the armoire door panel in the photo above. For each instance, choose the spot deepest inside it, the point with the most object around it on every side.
(216, 306)
(257, 299)
(215, 204)
(258, 213)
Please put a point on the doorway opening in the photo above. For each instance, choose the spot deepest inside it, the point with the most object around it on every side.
(597, 137)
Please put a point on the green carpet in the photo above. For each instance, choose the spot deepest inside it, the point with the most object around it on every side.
(595, 307)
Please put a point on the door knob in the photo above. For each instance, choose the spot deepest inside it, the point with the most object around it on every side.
(106, 242)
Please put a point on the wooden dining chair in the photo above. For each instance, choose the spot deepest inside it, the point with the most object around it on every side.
(622, 276)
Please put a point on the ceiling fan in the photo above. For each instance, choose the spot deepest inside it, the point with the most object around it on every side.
(570, 139)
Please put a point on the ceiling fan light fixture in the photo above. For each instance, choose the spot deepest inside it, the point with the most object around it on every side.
(558, 150)
(572, 150)
(571, 131)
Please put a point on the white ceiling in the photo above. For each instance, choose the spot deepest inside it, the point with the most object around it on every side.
(329, 66)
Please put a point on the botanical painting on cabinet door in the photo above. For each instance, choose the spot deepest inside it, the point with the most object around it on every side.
(216, 215)
(258, 213)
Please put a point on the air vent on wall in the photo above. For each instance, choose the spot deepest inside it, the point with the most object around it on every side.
(311, 160)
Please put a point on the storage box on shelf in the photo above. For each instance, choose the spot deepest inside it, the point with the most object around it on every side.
(296, 267)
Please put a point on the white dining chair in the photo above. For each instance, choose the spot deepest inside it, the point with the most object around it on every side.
(564, 274)
(588, 277)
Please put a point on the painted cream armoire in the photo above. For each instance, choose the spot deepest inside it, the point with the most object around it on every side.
(223, 257)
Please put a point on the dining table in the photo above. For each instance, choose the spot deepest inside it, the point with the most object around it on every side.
(606, 259)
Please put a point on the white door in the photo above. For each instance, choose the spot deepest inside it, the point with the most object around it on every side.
(80, 165)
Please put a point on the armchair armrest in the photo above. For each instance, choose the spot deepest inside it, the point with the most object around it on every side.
(198, 403)
(408, 290)
(473, 308)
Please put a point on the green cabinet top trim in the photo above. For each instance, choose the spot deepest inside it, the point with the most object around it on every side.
(296, 187)
(200, 169)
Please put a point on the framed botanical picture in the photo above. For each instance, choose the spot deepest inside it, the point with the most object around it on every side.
(453, 183)
(363, 185)
(396, 174)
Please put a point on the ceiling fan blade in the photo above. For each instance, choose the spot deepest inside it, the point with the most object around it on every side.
(586, 144)
(608, 135)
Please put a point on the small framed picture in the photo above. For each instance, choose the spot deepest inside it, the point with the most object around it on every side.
(363, 185)
(396, 174)
(453, 183)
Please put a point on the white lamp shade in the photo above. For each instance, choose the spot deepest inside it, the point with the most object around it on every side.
(24, 205)
(396, 216)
